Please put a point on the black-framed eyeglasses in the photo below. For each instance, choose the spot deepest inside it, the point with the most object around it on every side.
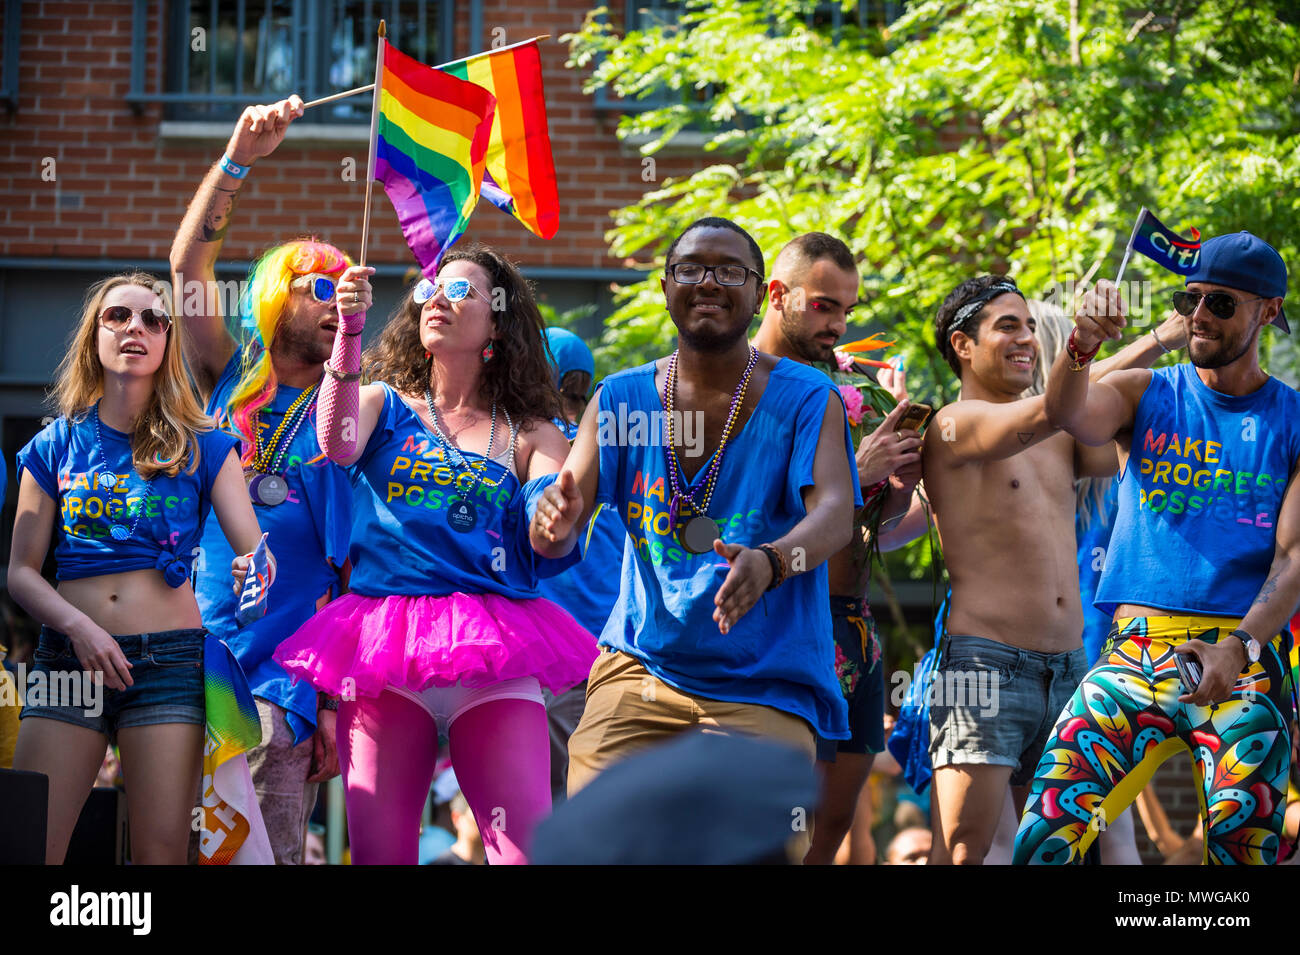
(1219, 304)
(117, 317)
(692, 273)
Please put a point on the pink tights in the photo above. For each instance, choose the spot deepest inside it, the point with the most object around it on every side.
(387, 749)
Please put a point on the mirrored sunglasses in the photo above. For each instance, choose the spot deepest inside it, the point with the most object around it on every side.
(1219, 304)
(117, 317)
(456, 290)
(321, 287)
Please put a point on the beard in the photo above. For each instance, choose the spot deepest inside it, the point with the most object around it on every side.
(803, 344)
(712, 342)
(1226, 352)
(302, 341)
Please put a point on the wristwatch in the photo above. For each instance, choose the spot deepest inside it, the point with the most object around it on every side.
(327, 703)
(1250, 643)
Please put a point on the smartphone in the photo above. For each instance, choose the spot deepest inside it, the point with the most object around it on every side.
(1189, 670)
(916, 417)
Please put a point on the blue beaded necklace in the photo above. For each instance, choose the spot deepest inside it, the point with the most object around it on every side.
(119, 531)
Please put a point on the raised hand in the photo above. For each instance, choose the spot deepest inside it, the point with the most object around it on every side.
(1099, 316)
(886, 451)
(261, 129)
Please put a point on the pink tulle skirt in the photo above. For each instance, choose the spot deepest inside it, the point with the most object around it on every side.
(418, 642)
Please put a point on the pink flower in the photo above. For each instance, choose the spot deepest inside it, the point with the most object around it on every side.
(844, 361)
(852, 403)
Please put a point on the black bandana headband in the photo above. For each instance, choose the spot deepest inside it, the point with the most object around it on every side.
(971, 308)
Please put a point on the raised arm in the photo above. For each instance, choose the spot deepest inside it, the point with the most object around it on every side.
(347, 413)
(203, 230)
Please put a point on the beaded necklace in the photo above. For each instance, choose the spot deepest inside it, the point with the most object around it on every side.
(461, 514)
(119, 531)
(265, 479)
(689, 520)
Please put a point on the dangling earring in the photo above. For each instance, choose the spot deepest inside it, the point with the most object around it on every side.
(427, 353)
(487, 353)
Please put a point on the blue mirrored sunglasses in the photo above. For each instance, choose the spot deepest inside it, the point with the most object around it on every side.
(322, 289)
(456, 290)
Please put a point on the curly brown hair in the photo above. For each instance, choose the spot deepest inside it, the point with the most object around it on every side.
(518, 376)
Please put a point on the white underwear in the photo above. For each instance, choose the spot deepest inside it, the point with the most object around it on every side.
(445, 703)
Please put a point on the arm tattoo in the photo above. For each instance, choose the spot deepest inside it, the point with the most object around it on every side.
(216, 218)
(1266, 591)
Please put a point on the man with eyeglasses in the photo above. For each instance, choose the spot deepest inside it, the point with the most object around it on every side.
(262, 389)
(722, 623)
(1202, 575)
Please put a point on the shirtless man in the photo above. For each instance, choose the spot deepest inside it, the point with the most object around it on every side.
(813, 288)
(1001, 484)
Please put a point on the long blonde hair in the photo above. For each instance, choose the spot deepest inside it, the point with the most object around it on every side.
(1052, 332)
(163, 440)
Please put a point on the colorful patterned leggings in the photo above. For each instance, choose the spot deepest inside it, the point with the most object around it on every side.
(1124, 720)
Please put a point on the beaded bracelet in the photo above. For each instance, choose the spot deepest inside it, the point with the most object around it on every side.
(870, 492)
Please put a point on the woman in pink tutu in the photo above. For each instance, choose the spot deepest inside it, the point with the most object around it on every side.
(443, 629)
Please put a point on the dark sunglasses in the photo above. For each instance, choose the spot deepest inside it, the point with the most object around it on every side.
(1219, 304)
(117, 317)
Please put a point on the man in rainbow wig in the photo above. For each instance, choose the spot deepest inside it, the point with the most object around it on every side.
(260, 377)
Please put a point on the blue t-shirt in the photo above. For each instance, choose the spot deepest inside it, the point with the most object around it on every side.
(779, 654)
(1199, 497)
(401, 541)
(309, 538)
(1094, 542)
(89, 483)
(589, 590)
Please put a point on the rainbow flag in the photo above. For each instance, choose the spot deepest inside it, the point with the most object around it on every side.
(233, 832)
(432, 141)
(520, 169)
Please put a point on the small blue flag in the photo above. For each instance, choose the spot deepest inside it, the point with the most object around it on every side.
(252, 599)
(1166, 247)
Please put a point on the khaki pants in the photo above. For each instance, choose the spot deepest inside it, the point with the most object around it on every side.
(628, 710)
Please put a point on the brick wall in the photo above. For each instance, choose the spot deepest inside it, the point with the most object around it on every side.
(120, 190)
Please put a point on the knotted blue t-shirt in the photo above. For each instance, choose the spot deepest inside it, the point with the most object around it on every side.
(97, 487)
(1199, 497)
(779, 654)
(401, 540)
(309, 538)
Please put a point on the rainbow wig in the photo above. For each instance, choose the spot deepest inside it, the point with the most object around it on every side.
(260, 308)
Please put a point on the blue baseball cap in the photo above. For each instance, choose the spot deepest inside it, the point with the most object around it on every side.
(568, 352)
(1244, 261)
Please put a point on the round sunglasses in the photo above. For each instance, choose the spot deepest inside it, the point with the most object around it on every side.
(117, 317)
(321, 287)
(1219, 304)
(456, 290)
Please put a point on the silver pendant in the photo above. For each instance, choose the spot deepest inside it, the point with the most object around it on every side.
(266, 489)
(698, 534)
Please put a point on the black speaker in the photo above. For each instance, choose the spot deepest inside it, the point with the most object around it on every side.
(24, 803)
(100, 835)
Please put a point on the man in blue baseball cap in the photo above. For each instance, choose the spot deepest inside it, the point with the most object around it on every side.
(1202, 574)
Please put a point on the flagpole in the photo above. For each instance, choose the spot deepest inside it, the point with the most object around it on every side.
(1128, 249)
(367, 88)
(374, 139)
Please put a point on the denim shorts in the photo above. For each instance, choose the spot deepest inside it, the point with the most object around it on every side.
(996, 705)
(166, 674)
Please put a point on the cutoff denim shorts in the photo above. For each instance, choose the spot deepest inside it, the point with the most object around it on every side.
(995, 704)
(166, 674)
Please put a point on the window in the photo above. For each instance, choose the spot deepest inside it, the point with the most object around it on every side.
(236, 53)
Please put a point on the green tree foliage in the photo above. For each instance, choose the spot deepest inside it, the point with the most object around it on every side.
(1017, 135)
(982, 135)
